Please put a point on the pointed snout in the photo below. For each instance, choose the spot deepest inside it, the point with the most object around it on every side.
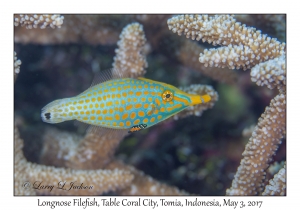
(199, 99)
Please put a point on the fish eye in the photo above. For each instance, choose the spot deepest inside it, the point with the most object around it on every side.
(167, 95)
(48, 116)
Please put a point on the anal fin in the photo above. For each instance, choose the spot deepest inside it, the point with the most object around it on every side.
(82, 126)
(107, 133)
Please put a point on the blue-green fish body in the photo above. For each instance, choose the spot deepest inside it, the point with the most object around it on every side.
(123, 103)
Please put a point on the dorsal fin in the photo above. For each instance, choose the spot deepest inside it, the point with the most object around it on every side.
(104, 76)
(100, 130)
(107, 75)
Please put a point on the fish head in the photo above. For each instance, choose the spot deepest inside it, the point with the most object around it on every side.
(175, 100)
(171, 100)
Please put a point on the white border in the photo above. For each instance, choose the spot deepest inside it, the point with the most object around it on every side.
(154, 6)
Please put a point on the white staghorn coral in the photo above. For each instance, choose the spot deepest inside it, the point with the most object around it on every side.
(129, 56)
(277, 185)
(39, 21)
(17, 64)
(259, 150)
(271, 73)
(246, 46)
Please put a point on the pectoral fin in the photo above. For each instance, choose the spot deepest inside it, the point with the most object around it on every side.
(151, 109)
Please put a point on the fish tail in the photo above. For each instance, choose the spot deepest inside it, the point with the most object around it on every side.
(50, 112)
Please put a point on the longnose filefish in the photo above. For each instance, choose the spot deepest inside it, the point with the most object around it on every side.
(122, 103)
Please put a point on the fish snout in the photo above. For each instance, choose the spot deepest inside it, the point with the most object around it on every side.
(200, 99)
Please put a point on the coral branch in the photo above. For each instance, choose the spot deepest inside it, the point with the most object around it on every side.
(261, 147)
(93, 29)
(20, 167)
(59, 148)
(277, 185)
(96, 181)
(246, 46)
(271, 73)
(93, 151)
(17, 64)
(39, 21)
(129, 56)
(273, 24)
(26, 172)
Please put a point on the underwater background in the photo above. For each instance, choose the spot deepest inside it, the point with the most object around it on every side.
(197, 154)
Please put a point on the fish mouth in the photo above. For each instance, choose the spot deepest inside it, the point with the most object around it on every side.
(200, 99)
